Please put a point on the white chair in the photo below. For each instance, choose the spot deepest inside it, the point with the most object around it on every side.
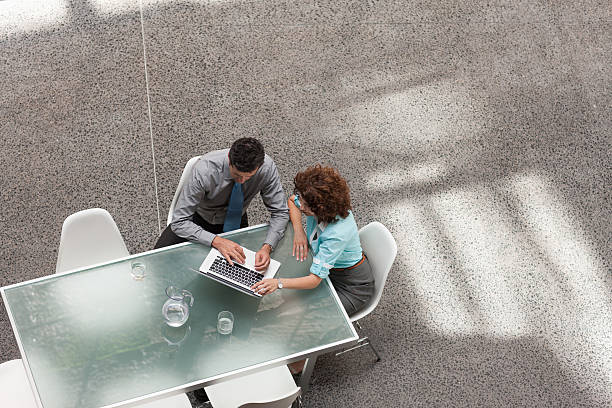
(89, 237)
(273, 388)
(282, 402)
(175, 401)
(15, 391)
(186, 174)
(380, 248)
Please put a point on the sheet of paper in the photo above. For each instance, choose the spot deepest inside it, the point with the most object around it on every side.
(250, 261)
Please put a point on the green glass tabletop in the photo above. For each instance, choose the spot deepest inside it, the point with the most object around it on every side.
(96, 337)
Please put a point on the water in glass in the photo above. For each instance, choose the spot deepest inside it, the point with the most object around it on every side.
(176, 314)
(225, 322)
(138, 270)
(176, 308)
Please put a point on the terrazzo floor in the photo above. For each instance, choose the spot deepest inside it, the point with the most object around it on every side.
(478, 132)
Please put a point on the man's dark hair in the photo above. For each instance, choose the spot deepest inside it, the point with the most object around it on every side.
(246, 154)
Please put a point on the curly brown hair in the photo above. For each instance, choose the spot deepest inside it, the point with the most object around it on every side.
(325, 191)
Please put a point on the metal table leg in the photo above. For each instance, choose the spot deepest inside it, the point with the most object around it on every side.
(304, 380)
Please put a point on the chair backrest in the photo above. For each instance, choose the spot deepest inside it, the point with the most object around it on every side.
(186, 174)
(89, 237)
(380, 247)
(282, 402)
(15, 388)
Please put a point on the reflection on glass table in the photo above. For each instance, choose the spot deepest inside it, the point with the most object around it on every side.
(97, 337)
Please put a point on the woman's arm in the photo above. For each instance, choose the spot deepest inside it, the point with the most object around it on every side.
(267, 286)
(300, 243)
(305, 282)
(295, 215)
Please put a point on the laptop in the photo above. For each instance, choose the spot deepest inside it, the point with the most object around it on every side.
(240, 276)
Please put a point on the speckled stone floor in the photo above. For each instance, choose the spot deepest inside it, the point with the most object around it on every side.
(478, 131)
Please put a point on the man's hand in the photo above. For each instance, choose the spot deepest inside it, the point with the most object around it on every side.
(262, 257)
(229, 249)
(300, 245)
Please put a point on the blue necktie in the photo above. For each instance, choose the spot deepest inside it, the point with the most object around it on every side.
(234, 209)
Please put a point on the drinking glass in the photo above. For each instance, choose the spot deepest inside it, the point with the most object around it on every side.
(138, 270)
(225, 322)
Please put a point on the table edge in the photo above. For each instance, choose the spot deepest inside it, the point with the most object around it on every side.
(26, 364)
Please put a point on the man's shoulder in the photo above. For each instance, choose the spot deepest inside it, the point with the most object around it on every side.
(268, 164)
(212, 161)
(217, 156)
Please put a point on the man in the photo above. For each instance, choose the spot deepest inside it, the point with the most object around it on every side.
(215, 198)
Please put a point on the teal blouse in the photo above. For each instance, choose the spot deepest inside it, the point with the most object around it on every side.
(333, 245)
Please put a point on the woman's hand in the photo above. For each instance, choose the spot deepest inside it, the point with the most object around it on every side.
(300, 245)
(265, 286)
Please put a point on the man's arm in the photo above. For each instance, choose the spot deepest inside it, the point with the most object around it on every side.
(275, 201)
(182, 218)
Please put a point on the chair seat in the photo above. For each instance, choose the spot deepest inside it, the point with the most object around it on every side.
(15, 391)
(265, 385)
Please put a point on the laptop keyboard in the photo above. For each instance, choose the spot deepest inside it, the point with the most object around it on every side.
(237, 273)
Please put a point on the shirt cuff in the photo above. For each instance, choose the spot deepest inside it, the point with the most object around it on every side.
(272, 237)
(319, 268)
(206, 237)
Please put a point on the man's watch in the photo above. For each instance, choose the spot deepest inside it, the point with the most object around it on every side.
(280, 284)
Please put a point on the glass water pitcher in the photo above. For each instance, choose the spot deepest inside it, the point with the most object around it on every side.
(176, 308)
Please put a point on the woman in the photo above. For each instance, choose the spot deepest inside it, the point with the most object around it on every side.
(332, 236)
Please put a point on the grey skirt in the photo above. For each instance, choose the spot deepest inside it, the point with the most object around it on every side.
(355, 287)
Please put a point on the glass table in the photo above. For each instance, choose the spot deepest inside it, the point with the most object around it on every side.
(96, 337)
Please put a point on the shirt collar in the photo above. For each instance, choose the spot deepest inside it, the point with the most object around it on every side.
(322, 225)
(226, 169)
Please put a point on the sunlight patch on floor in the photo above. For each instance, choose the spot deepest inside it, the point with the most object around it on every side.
(397, 177)
(585, 333)
(482, 243)
(117, 6)
(417, 120)
(507, 260)
(431, 271)
(22, 16)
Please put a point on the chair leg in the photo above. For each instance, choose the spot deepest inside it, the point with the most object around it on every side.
(373, 349)
(297, 403)
(364, 341)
